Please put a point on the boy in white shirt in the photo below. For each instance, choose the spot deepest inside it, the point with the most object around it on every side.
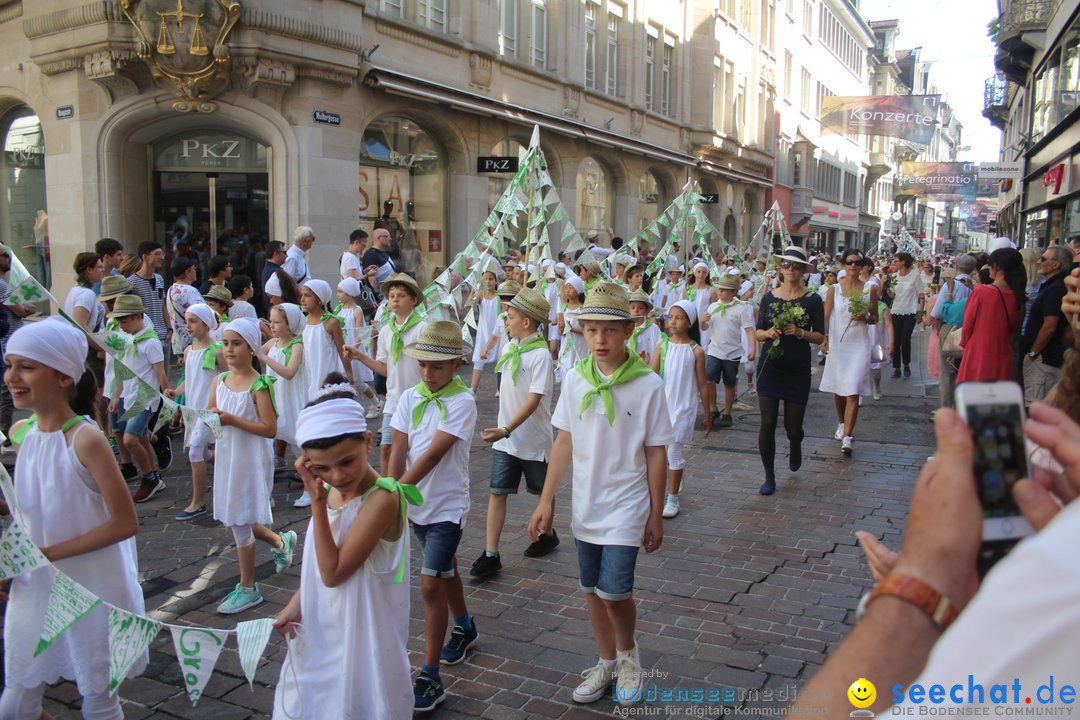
(146, 359)
(523, 438)
(432, 430)
(613, 423)
(731, 330)
(402, 326)
(646, 335)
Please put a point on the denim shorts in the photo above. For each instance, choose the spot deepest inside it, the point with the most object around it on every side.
(506, 472)
(386, 433)
(606, 570)
(717, 370)
(138, 425)
(439, 542)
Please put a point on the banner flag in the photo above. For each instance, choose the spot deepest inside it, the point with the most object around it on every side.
(938, 180)
(909, 117)
(18, 552)
(197, 650)
(129, 637)
(69, 602)
(252, 637)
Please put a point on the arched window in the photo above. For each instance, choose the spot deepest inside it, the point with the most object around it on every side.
(403, 180)
(751, 218)
(595, 201)
(650, 199)
(24, 213)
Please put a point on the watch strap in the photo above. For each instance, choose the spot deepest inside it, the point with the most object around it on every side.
(941, 611)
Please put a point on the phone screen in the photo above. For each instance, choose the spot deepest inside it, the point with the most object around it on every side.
(1000, 455)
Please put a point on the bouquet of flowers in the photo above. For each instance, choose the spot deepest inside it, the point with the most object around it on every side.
(858, 308)
(790, 313)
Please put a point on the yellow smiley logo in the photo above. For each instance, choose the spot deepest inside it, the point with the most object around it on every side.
(862, 693)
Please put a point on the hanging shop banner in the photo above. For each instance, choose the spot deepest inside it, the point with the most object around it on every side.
(938, 180)
(1001, 170)
(910, 117)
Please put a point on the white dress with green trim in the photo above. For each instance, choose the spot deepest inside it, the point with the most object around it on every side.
(320, 356)
(244, 465)
(290, 396)
(58, 499)
(679, 370)
(350, 659)
(200, 369)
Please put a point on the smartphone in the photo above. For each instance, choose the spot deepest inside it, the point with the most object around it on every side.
(994, 411)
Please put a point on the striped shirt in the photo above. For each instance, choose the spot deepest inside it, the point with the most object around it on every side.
(152, 292)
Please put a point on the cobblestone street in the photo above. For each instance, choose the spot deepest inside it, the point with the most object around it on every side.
(747, 594)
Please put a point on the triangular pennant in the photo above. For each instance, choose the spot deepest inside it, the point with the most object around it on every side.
(252, 637)
(8, 489)
(129, 637)
(69, 602)
(18, 553)
(197, 651)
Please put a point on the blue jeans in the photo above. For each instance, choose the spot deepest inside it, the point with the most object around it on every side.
(606, 570)
(439, 542)
(506, 472)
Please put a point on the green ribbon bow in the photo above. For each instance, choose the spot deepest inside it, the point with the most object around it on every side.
(265, 382)
(514, 351)
(691, 294)
(19, 435)
(146, 334)
(632, 369)
(407, 495)
(331, 316)
(397, 342)
(209, 358)
(287, 350)
(454, 387)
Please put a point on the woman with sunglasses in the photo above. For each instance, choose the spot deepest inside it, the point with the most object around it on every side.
(786, 377)
(847, 346)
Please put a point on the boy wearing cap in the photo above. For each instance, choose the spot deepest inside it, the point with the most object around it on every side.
(432, 428)
(613, 423)
(646, 335)
(146, 359)
(402, 326)
(731, 324)
(523, 438)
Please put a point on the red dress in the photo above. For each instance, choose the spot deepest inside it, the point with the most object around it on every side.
(986, 337)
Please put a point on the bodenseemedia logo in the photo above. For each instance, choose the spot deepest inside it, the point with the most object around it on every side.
(1050, 698)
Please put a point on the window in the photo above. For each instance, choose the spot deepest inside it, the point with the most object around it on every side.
(807, 18)
(538, 42)
(739, 112)
(789, 8)
(829, 181)
(723, 96)
(841, 42)
(783, 162)
(851, 189)
(796, 168)
(789, 88)
(594, 202)
(665, 75)
(728, 7)
(590, 45)
(650, 69)
(432, 14)
(611, 68)
(24, 217)
(508, 31)
(768, 17)
(804, 96)
(746, 16)
(391, 7)
(649, 201)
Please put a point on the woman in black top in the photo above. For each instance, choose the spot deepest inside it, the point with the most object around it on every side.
(787, 377)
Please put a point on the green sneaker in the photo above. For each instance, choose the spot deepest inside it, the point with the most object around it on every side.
(240, 600)
(283, 557)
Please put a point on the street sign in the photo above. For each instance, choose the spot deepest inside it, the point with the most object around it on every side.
(710, 198)
(497, 164)
(65, 112)
(326, 117)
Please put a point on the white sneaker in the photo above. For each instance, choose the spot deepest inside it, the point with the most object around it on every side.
(847, 444)
(597, 680)
(303, 501)
(374, 410)
(628, 680)
(839, 435)
(877, 393)
(671, 506)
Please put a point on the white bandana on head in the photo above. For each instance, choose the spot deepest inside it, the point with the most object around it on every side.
(54, 343)
(578, 284)
(247, 329)
(701, 265)
(204, 313)
(294, 316)
(340, 416)
(349, 286)
(689, 308)
(273, 286)
(321, 288)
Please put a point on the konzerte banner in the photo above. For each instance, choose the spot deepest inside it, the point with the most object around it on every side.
(938, 180)
(911, 117)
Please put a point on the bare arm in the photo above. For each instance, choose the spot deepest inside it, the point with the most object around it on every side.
(440, 445)
(656, 467)
(378, 515)
(558, 463)
(1050, 323)
(333, 327)
(493, 434)
(703, 388)
(162, 378)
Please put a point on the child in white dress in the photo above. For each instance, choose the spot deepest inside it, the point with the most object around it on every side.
(75, 506)
(283, 356)
(350, 617)
(348, 290)
(243, 468)
(573, 346)
(323, 336)
(488, 310)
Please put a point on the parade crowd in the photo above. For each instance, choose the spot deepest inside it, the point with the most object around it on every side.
(312, 375)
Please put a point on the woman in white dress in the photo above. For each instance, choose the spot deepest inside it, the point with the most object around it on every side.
(847, 346)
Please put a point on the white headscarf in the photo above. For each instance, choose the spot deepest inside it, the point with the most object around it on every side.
(204, 313)
(577, 283)
(248, 329)
(273, 285)
(54, 343)
(294, 316)
(350, 286)
(321, 288)
(340, 416)
(701, 265)
(689, 308)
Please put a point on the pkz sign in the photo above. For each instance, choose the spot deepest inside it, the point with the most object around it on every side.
(210, 150)
(496, 164)
(710, 198)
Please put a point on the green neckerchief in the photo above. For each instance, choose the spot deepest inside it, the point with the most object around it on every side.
(514, 351)
(407, 495)
(223, 318)
(146, 334)
(112, 325)
(591, 284)
(454, 387)
(724, 307)
(632, 369)
(331, 316)
(19, 435)
(638, 330)
(287, 350)
(209, 358)
(397, 342)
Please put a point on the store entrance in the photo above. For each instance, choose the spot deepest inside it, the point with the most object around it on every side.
(208, 212)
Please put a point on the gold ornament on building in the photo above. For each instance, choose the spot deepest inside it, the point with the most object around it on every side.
(173, 41)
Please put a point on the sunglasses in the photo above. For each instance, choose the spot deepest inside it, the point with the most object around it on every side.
(785, 265)
(856, 261)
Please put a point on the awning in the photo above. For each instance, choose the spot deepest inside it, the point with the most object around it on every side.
(399, 83)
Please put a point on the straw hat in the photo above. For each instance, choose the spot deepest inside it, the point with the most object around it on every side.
(532, 303)
(606, 302)
(221, 294)
(793, 253)
(406, 281)
(128, 305)
(729, 282)
(592, 266)
(113, 286)
(508, 289)
(439, 340)
(640, 296)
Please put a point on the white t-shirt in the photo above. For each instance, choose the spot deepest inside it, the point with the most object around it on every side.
(85, 298)
(147, 354)
(532, 439)
(611, 503)
(727, 332)
(908, 288)
(402, 374)
(446, 487)
(296, 264)
(349, 261)
(242, 308)
(1022, 624)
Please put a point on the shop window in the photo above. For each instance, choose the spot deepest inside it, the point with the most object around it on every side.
(402, 180)
(650, 201)
(24, 214)
(594, 198)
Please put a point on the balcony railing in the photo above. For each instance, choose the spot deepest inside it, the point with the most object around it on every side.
(1019, 20)
(1025, 16)
(995, 101)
